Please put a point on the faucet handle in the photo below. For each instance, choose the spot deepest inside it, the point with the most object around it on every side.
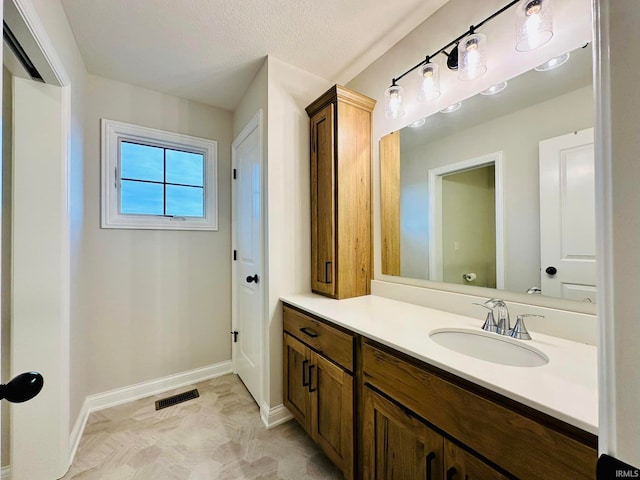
(490, 322)
(520, 330)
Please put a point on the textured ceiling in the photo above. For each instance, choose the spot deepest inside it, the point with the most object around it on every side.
(210, 50)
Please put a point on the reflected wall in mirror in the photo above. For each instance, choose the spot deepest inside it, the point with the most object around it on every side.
(499, 193)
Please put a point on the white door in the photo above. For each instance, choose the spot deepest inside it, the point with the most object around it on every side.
(247, 244)
(567, 217)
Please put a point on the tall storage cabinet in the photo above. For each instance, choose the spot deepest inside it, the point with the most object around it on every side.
(341, 247)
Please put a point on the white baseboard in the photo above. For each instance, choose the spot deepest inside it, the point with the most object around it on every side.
(5, 473)
(119, 396)
(272, 417)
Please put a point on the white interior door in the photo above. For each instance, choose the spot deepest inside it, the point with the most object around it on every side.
(247, 244)
(567, 216)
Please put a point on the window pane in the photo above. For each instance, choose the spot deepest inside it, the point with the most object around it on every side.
(185, 168)
(141, 198)
(141, 162)
(185, 201)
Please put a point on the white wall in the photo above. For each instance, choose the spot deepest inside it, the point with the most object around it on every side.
(282, 92)
(618, 143)
(5, 372)
(154, 303)
(289, 196)
(564, 114)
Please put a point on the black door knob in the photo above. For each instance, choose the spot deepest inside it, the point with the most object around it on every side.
(551, 270)
(22, 388)
(252, 279)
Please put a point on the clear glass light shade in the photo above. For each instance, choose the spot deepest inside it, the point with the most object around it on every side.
(452, 108)
(495, 89)
(472, 57)
(428, 82)
(555, 62)
(418, 123)
(534, 24)
(393, 98)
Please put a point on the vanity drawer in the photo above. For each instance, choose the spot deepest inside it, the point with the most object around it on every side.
(521, 444)
(323, 338)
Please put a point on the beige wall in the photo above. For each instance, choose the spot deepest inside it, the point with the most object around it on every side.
(155, 303)
(469, 227)
(570, 112)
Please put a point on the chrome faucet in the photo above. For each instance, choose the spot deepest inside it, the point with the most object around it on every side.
(489, 323)
(504, 322)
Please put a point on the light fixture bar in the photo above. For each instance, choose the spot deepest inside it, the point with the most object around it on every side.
(471, 30)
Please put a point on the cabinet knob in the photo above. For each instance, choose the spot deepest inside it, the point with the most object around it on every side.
(551, 271)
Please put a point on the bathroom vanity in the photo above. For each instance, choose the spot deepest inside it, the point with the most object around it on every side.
(384, 400)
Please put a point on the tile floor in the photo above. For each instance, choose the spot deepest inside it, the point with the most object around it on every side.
(217, 436)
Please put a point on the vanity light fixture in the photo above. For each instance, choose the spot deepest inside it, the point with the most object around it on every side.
(534, 24)
(452, 108)
(495, 89)
(467, 52)
(428, 81)
(393, 97)
(555, 62)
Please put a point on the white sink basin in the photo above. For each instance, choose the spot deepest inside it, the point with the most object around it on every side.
(490, 347)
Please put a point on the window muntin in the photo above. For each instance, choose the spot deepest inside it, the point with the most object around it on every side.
(161, 181)
(154, 179)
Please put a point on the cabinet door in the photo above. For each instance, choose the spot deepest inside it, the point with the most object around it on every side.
(396, 445)
(332, 421)
(323, 265)
(461, 465)
(296, 380)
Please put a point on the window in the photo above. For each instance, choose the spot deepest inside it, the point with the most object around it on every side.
(153, 179)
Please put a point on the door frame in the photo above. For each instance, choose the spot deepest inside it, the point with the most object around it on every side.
(28, 27)
(255, 122)
(435, 211)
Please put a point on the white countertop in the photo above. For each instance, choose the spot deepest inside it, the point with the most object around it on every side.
(565, 388)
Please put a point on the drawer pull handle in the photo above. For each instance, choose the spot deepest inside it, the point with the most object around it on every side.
(451, 473)
(304, 369)
(311, 389)
(309, 332)
(430, 459)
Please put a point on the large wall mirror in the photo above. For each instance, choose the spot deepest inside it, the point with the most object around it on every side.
(499, 193)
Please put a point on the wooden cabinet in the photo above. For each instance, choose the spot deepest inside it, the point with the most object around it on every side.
(341, 251)
(461, 465)
(396, 445)
(318, 384)
(518, 439)
(399, 446)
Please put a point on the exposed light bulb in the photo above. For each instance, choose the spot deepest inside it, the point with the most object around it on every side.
(428, 82)
(393, 102)
(534, 24)
(472, 60)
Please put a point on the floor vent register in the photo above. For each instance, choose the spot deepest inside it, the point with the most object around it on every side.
(175, 399)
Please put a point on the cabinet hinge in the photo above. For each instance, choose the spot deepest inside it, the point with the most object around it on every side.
(235, 174)
(235, 336)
